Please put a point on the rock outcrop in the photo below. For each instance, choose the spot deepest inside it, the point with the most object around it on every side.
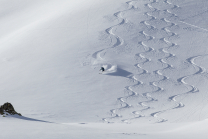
(8, 109)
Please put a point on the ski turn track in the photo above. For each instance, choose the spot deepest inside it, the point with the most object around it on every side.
(119, 42)
(162, 60)
(110, 31)
(192, 89)
(129, 89)
(164, 50)
(142, 109)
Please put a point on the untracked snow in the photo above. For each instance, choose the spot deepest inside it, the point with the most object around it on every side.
(156, 72)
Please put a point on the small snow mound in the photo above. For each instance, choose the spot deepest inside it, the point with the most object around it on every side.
(110, 68)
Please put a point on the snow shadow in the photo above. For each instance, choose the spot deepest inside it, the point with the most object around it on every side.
(29, 119)
(120, 72)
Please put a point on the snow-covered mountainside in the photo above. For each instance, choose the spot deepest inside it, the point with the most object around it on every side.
(155, 57)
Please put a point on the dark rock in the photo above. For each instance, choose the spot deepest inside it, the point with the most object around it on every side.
(8, 108)
(1, 110)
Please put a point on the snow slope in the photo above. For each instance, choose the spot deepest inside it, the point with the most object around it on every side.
(155, 56)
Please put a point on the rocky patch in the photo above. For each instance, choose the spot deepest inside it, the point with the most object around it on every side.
(8, 109)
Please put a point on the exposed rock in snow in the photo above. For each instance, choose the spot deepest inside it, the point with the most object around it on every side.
(8, 109)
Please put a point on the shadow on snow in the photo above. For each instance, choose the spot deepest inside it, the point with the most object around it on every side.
(120, 72)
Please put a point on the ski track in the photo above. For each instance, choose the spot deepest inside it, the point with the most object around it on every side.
(194, 26)
(138, 65)
(119, 42)
(162, 60)
(129, 89)
(109, 31)
(148, 49)
(193, 89)
(190, 60)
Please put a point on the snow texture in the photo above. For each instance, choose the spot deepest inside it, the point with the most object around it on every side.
(154, 53)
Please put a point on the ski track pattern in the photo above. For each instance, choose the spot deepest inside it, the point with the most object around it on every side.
(119, 42)
(133, 94)
(148, 49)
(193, 89)
(162, 60)
(190, 60)
(109, 31)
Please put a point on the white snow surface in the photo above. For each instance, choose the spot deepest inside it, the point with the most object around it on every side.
(154, 52)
